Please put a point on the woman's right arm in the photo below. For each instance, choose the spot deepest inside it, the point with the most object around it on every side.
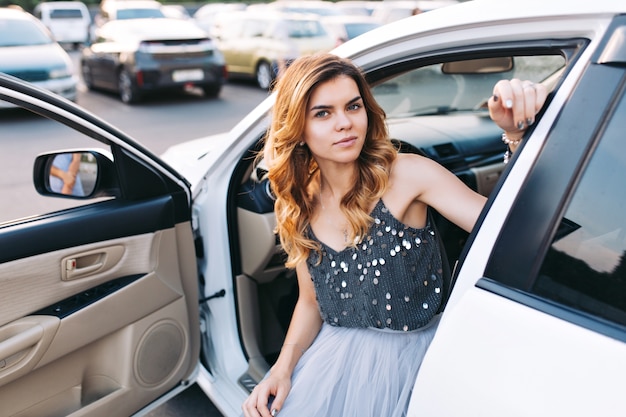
(304, 326)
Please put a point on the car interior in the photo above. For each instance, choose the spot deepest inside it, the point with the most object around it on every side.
(452, 127)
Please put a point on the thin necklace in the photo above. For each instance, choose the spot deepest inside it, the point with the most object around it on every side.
(344, 229)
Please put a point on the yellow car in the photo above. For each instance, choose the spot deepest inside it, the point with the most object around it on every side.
(256, 45)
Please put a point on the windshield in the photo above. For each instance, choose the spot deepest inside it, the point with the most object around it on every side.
(22, 33)
(460, 86)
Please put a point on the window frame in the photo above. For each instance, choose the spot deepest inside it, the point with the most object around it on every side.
(519, 252)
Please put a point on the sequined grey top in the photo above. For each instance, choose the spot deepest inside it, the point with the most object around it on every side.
(391, 280)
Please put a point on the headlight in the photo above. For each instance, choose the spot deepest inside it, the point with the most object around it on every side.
(61, 73)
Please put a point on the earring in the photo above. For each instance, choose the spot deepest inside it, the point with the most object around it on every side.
(302, 143)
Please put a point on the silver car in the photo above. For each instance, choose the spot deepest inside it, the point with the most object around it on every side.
(28, 51)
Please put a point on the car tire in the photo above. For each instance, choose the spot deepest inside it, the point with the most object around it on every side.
(212, 90)
(87, 78)
(264, 75)
(127, 89)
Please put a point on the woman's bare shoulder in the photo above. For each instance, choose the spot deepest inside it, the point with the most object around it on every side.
(413, 175)
(407, 165)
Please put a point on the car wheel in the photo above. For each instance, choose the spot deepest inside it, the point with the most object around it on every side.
(264, 75)
(87, 78)
(128, 92)
(212, 90)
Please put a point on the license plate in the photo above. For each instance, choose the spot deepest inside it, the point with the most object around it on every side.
(188, 75)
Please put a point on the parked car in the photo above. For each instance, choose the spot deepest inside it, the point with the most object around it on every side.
(256, 44)
(358, 7)
(173, 276)
(205, 15)
(127, 9)
(392, 10)
(68, 21)
(347, 27)
(316, 7)
(175, 11)
(28, 51)
(137, 56)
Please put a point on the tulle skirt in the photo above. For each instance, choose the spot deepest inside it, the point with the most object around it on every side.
(357, 373)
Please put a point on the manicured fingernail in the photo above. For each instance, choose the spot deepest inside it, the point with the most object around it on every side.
(508, 104)
(520, 125)
(529, 121)
(274, 412)
(496, 98)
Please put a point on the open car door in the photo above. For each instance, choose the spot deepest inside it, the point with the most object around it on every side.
(99, 311)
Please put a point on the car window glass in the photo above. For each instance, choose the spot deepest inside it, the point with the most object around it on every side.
(139, 13)
(21, 32)
(585, 267)
(430, 90)
(355, 29)
(66, 14)
(25, 135)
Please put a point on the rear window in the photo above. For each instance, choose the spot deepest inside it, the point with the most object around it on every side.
(66, 14)
(139, 13)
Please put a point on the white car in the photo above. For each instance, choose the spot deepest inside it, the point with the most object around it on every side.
(172, 275)
(69, 21)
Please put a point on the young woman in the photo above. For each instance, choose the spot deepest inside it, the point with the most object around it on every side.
(352, 217)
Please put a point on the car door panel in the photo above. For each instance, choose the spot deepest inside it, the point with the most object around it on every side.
(548, 307)
(108, 327)
(99, 312)
(486, 345)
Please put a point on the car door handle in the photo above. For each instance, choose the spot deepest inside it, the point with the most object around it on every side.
(90, 262)
(18, 343)
(23, 343)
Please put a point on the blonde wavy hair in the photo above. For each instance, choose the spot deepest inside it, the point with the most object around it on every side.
(294, 173)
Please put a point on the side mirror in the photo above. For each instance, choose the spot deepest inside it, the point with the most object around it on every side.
(79, 174)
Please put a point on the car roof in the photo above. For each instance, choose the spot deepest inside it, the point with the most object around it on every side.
(471, 14)
(219, 7)
(317, 7)
(350, 18)
(269, 15)
(153, 29)
(62, 5)
(133, 4)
